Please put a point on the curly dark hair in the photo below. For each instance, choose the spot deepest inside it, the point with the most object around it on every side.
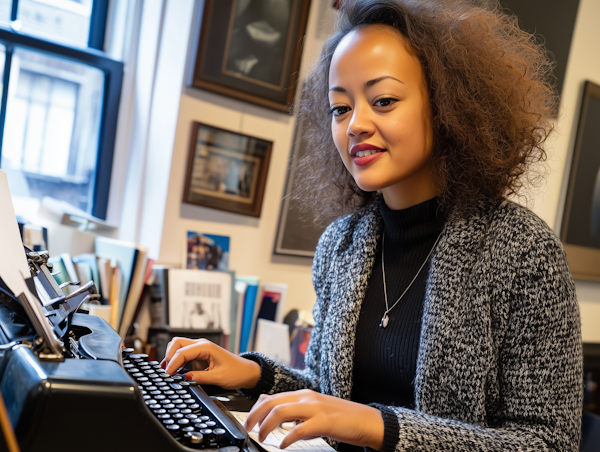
(492, 98)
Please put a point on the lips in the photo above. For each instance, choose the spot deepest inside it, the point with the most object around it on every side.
(365, 153)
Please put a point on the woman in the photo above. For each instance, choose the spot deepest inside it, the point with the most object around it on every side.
(446, 317)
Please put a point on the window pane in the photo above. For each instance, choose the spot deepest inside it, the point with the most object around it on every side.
(5, 7)
(52, 126)
(64, 21)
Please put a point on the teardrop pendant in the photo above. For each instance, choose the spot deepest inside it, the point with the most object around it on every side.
(384, 321)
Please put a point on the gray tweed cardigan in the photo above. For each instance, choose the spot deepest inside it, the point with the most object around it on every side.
(499, 365)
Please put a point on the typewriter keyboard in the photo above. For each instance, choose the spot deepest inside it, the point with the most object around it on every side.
(183, 407)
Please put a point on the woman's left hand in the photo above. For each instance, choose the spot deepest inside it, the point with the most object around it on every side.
(320, 415)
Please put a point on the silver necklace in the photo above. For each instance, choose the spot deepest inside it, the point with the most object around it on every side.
(385, 319)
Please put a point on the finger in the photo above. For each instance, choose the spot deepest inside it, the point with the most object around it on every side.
(175, 344)
(264, 405)
(304, 430)
(280, 414)
(195, 350)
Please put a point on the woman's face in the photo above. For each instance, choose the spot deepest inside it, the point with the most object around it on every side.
(381, 119)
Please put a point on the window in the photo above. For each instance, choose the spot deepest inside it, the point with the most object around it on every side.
(59, 103)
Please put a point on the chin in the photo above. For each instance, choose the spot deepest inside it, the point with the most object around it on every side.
(369, 186)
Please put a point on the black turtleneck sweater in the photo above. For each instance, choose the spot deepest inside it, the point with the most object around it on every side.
(386, 358)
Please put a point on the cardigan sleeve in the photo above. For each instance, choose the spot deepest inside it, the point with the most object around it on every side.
(540, 370)
(276, 377)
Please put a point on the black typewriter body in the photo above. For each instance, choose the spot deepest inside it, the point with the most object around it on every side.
(88, 399)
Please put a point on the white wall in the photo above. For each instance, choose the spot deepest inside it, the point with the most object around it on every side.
(584, 64)
(252, 239)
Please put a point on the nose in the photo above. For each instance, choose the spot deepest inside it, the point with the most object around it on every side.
(360, 123)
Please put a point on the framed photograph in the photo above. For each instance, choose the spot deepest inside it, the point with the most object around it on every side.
(206, 251)
(580, 231)
(226, 170)
(297, 235)
(251, 49)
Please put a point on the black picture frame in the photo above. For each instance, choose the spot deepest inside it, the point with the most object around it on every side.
(226, 170)
(580, 231)
(297, 234)
(250, 50)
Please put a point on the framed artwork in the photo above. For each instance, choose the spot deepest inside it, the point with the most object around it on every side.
(297, 235)
(580, 231)
(226, 170)
(250, 50)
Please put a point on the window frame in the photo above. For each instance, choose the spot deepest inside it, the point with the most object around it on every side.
(113, 80)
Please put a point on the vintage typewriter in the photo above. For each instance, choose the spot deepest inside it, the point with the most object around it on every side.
(69, 385)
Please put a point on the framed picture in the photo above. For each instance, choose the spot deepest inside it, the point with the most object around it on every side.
(297, 235)
(250, 50)
(580, 231)
(226, 170)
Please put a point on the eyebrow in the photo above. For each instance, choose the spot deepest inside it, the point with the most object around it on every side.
(368, 84)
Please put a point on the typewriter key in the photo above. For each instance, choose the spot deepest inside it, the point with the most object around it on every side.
(127, 351)
(177, 416)
(177, 377)
(190, 416)
(200, 425)
(181, 406)
(169, 380)
(206, 432)
(160, 411)
(137, 374)
(146, 397)
(151, 402)
(183, 421)
(186, 396)
(159, 383)
(128, 366)
(147, 383)
(151, 387)
(166, 390)
(219, 434)
(155, 406)
(196, 438)
(176, 386)
(184, 383)
(174, 410)
(168, 421)
(153, 363)
(156, 393)
(164, 416)
(132, 369)
(159, 396)
(186, 411)
(187, 429)
(204, 418)
(142, 379)
(195, 406)
(211, 424)
(138, 356)
(176, 401)
(169, 406)
(173, 427)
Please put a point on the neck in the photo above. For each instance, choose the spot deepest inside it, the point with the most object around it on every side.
(411, 191)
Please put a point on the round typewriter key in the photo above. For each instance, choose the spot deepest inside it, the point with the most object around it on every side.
(184, 383)
(153, 363)
(137, 374)
(177, 416)
(188, 429)
(156, 393)
(142, 378)
(127, 350)
(183, 421)
(159, 396)
(181, 391)
(195, 406)
(159, 383)
(204, 418)
(160, 411)
(186, 411)
(126, 361)
(169, 380)
(174, 410)
(173, 396)
(177, 377)
(206, 432)
(190, 416)
(146, 396)
(169, 406)
(146, 383)
(155, 406)
(138, 356)
(182, 405)
(190, 401)
(219, 434)
(150, 401)
(211, 424)
(176, 386)
(168, 391)
(149, 371)
(229, 449)
(196, 438)
(173, 427)
(144, 368)
(128, 365)
(141, 388)
(152, 387)
(164, 416)
(186, 396)
(132, 370)
(175, 401)
(201, 425)
(168, 421)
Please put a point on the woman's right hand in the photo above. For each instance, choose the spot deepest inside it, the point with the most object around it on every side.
(224, 368)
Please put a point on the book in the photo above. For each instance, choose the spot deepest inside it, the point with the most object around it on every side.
(270, 305)
(125, 254)
(248, 312)
(240, 293)
(114, 274)
(199, 299)
(92, 262)
(135, 291)
(84, 272)
(159, 292)
(105, 277)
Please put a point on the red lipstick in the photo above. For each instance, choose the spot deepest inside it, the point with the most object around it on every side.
(365, 160)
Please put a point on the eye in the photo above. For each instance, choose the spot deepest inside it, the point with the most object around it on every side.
(339, 111)
(385, 102)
